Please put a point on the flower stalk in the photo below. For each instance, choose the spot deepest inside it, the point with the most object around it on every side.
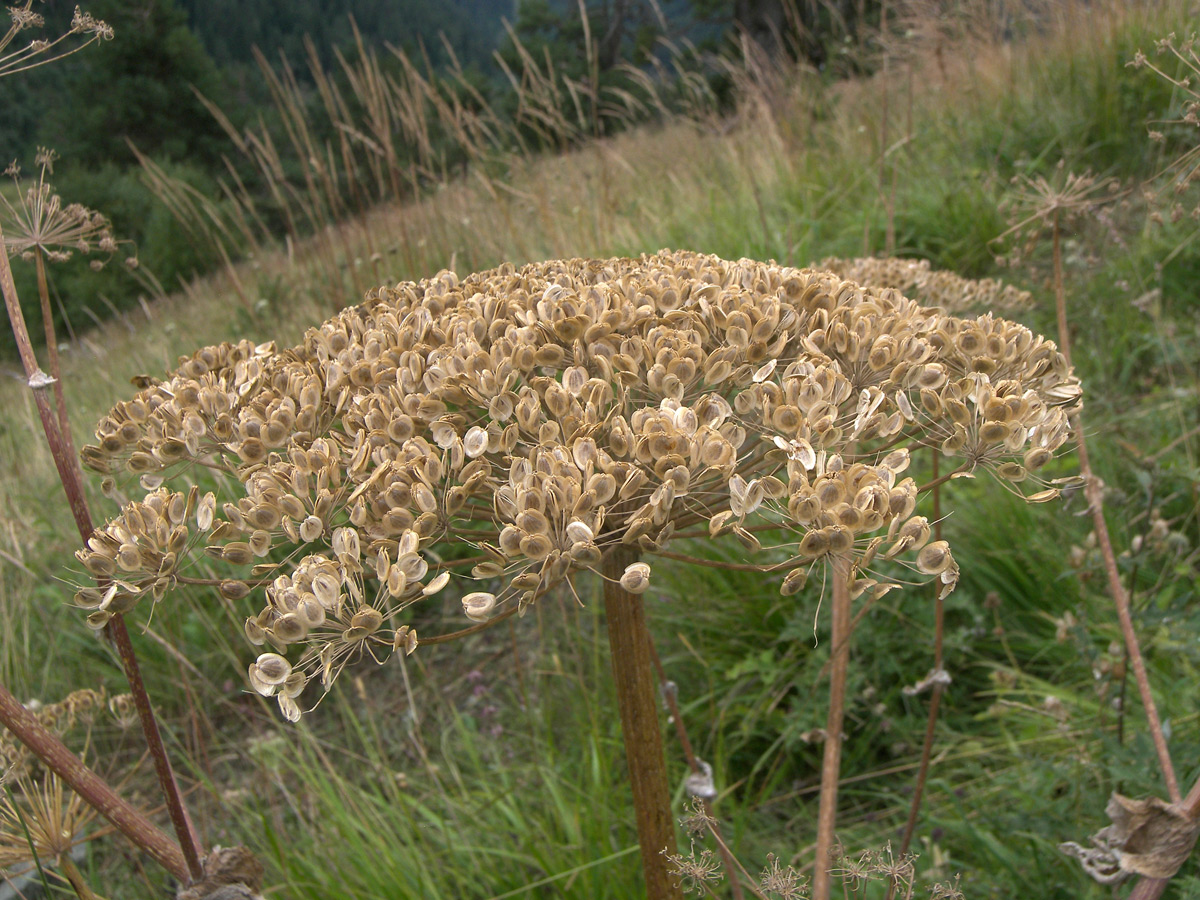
(633, 673)
(831, 764)
(58, 438)
(1095, 500)
(935, 699)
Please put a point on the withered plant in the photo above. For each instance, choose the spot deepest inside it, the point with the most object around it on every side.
(42, 227)
(1149, 838)
(83, 31)
(493, 437)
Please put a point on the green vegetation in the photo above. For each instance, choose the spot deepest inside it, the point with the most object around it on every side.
(494, 768)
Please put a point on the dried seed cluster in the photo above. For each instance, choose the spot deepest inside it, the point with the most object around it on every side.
(914, 278)
(78, 707)
(541, 415)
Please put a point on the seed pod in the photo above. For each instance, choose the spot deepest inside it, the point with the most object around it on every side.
(935, 558)
(234, 590)
(479, 605)
(238, 553)
(405, 639)
(636, 578)
(368, 619)
(268, 672)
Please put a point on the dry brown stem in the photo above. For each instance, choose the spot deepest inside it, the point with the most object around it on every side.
(669, 693)
(831, 765)
(61, 449)
(935, 699)
(1095, 499)
(60, 760)
(629, 640)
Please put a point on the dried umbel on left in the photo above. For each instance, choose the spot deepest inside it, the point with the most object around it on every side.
(541, 416)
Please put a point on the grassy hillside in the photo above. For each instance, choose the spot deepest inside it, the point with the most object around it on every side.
(493, 767)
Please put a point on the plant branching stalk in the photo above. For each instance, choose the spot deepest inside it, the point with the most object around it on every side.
(669, 692)
(64, 422)
(1100, 526)
(75, 877)
(936, 697)
(93, 789)
(1146, 888)
(162, 763)
(629, 642)
(69, 474)
(831, 764)
(60, 454)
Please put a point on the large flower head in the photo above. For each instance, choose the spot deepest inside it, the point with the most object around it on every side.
(539, 417)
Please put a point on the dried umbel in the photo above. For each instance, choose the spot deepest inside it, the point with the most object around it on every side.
(914, 278)
(40, 223)
(85, 29)
(503, 431)
(78, 708)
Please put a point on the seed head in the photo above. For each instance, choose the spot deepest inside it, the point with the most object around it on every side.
(514, 426)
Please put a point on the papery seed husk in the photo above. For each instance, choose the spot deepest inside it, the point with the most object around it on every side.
(436, 584)
(636, 578)
(478, 605)
(272, 669)
(368, 619)
(934, 558)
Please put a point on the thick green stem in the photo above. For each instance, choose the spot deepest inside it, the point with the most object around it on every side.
(637, 700)
(831, 764)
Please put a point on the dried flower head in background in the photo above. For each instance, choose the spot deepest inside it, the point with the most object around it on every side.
(1040, 205)
(84, 29)
(500, 433)
(695, 873)
(914, 278)
(39, 221)
(77, 708)
(1183, 122)
(36, 807)
(40, 816)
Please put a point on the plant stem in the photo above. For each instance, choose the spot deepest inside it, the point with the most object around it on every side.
(669, 692)
(188, 839)
(831, 764)
(75, 497)
(64, 422)
(936, 698)
(629, 642)
(1096, 505)
(71, 478)
(93, 789)
(1146, 888)
(73, 875)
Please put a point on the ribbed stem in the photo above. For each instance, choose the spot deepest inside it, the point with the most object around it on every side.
(939, 627)
(62, 450)
(831, 764)
(60, 760)
(637, 701)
